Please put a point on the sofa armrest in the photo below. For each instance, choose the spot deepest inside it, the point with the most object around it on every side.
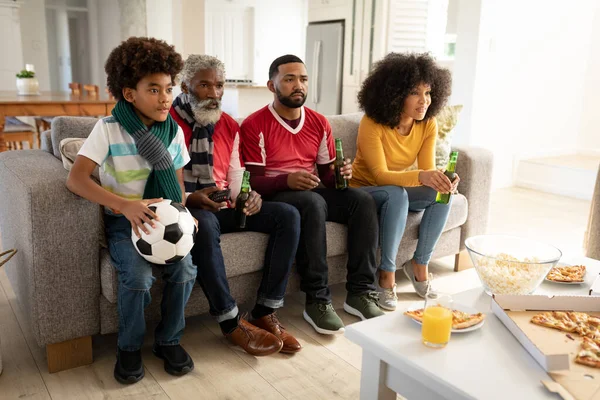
(474, 167)
(593, 230)
(55, 274)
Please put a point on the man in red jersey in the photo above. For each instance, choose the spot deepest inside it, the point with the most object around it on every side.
(213, 140)
(281, 144)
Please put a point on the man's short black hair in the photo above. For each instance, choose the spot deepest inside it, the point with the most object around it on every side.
(287, 59)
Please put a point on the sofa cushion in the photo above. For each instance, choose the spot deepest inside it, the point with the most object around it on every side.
(345, 127)
(70, 127)
(243, 253)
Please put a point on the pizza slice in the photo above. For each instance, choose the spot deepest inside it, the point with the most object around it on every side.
(589, 354)
(555, 320)
(463, 320)
(567, 273)
(460, 319)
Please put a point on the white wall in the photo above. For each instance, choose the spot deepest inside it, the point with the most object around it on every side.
(33, 39)
(159, 19)
(529, 86)
(279, 28)
(109, 33)
(589, 137)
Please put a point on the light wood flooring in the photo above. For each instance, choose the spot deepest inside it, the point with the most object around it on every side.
(327, 367)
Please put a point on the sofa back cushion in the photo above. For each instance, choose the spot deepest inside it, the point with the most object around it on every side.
(345, 127)
(70, 127)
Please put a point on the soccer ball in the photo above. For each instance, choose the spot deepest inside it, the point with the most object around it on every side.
(173, 237)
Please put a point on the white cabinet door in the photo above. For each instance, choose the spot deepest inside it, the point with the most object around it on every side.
(10, 46)
(229, 37)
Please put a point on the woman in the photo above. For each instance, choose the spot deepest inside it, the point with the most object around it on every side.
(400, 99)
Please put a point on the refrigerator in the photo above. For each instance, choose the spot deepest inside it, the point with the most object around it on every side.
(324, 64)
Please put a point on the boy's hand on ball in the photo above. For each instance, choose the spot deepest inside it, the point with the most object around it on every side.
(138, 213)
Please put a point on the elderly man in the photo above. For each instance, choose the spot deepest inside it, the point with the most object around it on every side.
(213, 139)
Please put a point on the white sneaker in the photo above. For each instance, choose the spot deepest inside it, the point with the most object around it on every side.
(420, 287)
(387, 298)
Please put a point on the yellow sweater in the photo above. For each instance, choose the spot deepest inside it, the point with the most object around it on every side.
(383, 155)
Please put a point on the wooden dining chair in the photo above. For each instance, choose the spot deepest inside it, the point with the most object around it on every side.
(110, 96)
(91, 90)
(75, 88)
(16, 132)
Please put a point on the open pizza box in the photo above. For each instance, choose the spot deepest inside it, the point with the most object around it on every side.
(554, 350)
(595, 288)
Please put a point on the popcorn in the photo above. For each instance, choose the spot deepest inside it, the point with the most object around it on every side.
(505, 274)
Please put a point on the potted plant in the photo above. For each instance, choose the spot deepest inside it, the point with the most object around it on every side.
(27, 83)
(4, 257)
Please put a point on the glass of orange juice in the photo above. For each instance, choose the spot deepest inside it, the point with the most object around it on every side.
(437, 320)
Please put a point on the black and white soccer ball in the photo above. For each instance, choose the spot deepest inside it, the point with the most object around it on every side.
(173, 237)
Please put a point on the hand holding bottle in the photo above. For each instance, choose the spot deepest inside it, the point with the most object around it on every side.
(436, 180)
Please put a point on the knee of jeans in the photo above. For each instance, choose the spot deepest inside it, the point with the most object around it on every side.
(362, 199)
(315, 205)
(430, 193)
(183, 271)
(141, 279)
(290, 217)
(208, 224)
(397, 194)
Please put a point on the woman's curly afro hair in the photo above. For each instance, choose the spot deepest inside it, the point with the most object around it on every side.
(136, 58)
(383, 92)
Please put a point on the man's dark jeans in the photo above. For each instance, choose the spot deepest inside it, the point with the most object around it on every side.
(353, 207)
(280, 220)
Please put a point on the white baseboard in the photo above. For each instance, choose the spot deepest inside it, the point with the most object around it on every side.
(555, 179)
(589, 152)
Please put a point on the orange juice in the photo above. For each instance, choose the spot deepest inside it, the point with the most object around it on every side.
(437, 325)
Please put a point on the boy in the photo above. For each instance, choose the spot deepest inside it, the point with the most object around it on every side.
(141, 153)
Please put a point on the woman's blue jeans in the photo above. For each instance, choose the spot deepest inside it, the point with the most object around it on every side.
(393, 204)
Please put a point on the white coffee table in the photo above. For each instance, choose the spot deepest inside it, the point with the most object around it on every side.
(488, 363)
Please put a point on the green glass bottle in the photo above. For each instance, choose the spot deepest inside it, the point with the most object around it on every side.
(240, 201)
(340, 182)
(444, 198)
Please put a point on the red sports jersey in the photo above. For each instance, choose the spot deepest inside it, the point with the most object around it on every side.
(227, 164)
(268, 141)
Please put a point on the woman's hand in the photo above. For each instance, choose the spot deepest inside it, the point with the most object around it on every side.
(455, 183)
(138, 213)
(436, 180)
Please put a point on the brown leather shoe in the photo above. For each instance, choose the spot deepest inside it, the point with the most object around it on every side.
(270, 323)
(253, 340)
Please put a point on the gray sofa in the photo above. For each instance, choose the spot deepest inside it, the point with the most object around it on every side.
(64, 280)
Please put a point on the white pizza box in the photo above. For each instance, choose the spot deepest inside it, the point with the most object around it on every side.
(554, 350)
(595, 288)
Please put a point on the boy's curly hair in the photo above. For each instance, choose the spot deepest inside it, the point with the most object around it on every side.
(136, 58)
(383, 92)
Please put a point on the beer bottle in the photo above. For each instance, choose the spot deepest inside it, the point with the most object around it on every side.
(444, 198)
(240, 201)
(340, 182)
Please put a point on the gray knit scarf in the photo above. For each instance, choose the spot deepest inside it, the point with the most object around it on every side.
(198, 173)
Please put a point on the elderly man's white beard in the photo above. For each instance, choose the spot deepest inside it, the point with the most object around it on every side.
(204, 115)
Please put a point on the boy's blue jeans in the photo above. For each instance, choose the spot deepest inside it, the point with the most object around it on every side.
(135, 280)
(393, 204)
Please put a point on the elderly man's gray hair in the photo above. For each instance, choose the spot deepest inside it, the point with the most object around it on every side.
(196, 62)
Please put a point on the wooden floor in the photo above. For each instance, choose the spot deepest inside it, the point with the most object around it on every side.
(327, 368)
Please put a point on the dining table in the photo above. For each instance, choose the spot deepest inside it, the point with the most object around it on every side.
(51, 104)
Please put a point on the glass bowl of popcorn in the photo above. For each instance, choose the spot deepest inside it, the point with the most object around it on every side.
(511, 264)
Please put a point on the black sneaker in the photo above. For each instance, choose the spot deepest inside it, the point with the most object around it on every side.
(129, 368)
(177, 360)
